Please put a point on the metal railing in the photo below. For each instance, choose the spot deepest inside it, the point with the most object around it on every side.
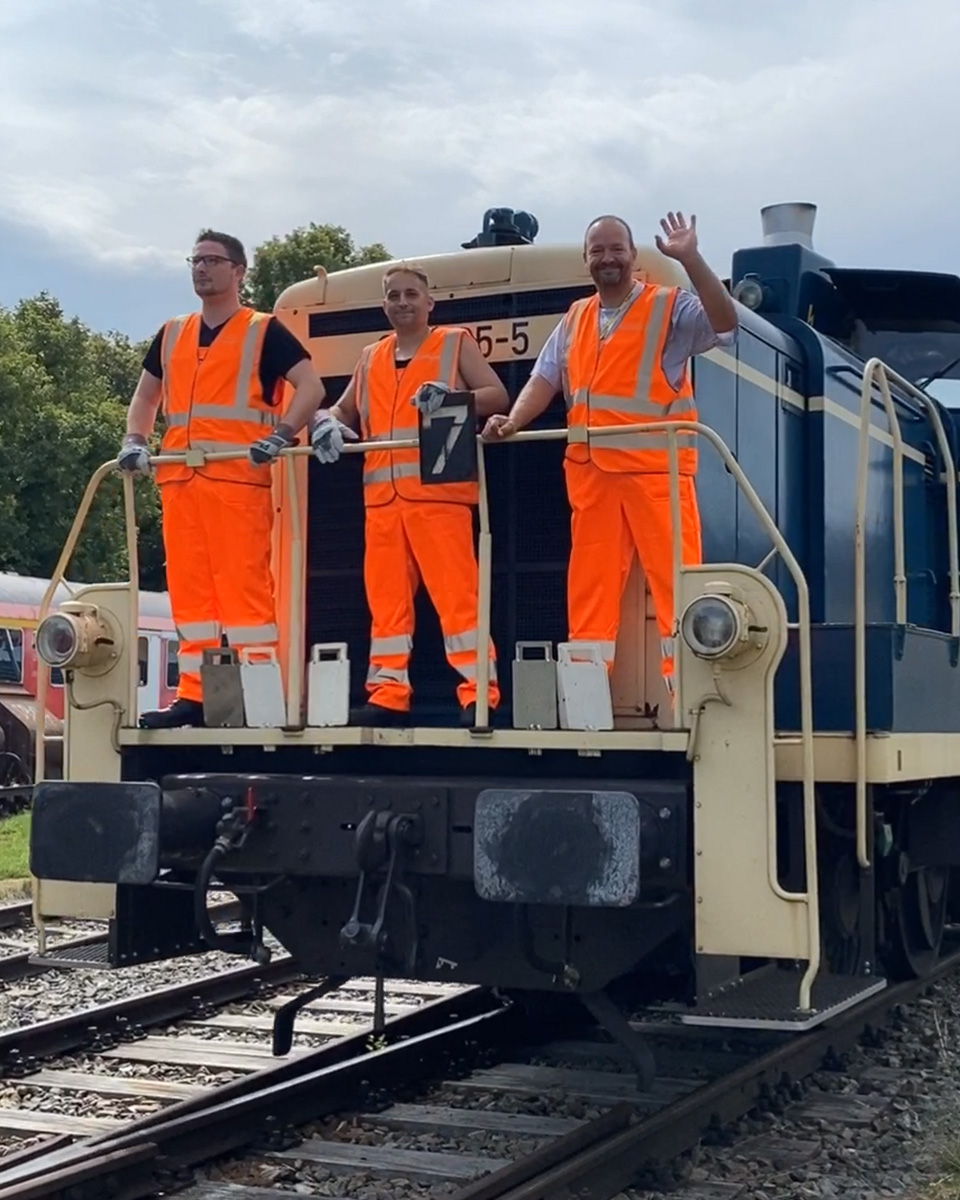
(876, 370)
(579, 434)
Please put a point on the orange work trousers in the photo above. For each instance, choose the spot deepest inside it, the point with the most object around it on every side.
(217, 541)
(406, 541)
(615, 514)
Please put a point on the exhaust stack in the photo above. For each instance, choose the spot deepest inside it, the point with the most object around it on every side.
(788, 224)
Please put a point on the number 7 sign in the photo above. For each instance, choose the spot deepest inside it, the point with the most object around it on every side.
(448, 441)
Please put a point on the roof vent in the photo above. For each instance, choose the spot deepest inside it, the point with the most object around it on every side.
(788, 224)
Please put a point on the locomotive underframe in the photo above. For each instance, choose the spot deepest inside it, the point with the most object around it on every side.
(540, 883)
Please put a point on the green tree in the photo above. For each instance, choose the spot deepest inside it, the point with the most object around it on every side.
(118, 361)
(281, 261)
(63, 396)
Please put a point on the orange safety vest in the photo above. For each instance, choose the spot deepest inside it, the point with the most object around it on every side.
(212, 396)
(619, 380)
(384, 395)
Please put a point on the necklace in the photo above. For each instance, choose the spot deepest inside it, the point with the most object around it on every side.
(607, 324)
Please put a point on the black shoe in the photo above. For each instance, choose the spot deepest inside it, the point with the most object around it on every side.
(181, 712)
(376, 714)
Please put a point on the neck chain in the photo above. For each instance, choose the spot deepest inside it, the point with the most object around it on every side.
(607, 323)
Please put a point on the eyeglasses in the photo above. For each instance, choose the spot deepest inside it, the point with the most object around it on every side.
(209, 260)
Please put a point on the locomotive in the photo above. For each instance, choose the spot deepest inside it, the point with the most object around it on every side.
(775, 845)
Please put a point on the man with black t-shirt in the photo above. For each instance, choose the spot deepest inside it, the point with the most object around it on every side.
(219, 375)
(281, 352)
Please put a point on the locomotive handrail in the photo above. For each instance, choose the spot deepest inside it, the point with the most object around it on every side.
(876, 371)
(43, 671)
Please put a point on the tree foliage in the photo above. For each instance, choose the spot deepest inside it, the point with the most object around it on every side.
(282, 261)
(63, 396)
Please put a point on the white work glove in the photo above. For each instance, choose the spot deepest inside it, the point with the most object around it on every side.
(266, 449)
(429, 397)
(134, 456)
(327, 436)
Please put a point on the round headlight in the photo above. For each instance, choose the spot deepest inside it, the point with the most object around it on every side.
(711, 626)
(750, 292)
(79, 637)
(57, 640)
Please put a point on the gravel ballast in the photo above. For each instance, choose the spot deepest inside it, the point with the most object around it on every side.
(878, 1125)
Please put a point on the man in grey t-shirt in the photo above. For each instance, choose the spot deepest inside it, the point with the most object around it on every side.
(621, 359)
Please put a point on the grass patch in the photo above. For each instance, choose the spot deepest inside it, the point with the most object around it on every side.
(15, 846)
(947, 1186)
(943, 1189)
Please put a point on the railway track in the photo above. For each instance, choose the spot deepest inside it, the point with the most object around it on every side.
(14, 914)
(452, 1101)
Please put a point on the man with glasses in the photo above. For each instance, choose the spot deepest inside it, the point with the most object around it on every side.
(219, 376)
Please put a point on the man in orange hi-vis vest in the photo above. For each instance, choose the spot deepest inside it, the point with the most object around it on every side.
(620, 357)
(219, 375)
(413, 531)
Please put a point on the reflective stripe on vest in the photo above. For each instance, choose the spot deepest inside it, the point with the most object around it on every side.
(616, 378)
(199, 631)
(212, 396)
(384, 402)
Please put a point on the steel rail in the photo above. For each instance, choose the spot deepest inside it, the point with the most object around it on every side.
(610, 1164)
(10, 914)
(453, 1034)
(77, 1030)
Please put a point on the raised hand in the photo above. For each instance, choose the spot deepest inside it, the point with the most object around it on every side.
(681, 239)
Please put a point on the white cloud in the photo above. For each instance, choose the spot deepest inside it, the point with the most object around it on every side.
(126, 128)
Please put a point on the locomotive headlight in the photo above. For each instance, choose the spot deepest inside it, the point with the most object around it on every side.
(56, 640)
(752, 293)
(76, 637)
(714, 626)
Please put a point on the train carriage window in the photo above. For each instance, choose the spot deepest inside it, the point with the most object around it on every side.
(11, 655)
(143, 658)
(173, 666)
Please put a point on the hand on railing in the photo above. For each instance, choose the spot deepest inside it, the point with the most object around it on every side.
(327, 436)
(267, 448)
(497, 428)
(134, 456)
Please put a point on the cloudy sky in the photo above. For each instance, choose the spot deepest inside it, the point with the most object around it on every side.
(128, 124)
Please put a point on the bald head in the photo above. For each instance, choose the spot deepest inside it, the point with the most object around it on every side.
(610, 254)
(609, 225)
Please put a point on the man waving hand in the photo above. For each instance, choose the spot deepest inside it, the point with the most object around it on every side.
(621, 357)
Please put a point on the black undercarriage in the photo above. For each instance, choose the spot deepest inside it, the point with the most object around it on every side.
(557, 884)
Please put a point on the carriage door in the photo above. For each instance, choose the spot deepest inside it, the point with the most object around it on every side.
(148, 654)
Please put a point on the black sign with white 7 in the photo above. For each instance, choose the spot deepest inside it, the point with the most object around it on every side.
(448, 441)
